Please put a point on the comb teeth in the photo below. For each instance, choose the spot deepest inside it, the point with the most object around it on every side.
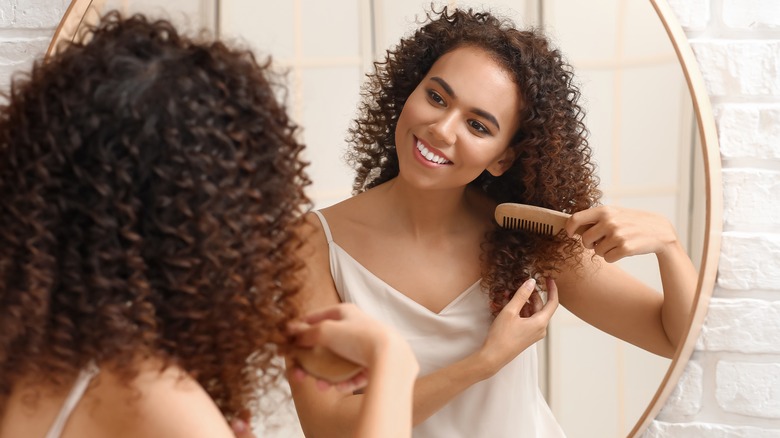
(528, 225)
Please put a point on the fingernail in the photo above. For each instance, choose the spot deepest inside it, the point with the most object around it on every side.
(530, 283)
(239, 426)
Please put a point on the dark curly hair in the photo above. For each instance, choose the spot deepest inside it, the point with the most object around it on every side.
(553, 168)
(150, 185)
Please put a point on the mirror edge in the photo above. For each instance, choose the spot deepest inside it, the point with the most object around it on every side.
(69, 25)
(714, 211)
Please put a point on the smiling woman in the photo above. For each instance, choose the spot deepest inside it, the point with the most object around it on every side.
(619, 375)
(337, 51)
(459, 109)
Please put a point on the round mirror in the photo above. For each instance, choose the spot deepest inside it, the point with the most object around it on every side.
(651, 129)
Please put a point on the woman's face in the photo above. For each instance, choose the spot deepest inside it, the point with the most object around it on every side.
(458, 121)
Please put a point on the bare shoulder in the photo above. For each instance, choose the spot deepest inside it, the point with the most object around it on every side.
(360, 217)
(355, 208)
(158, 403)
(318, 289)
(312, 233)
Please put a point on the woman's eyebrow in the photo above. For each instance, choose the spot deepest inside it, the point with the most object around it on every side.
(480, 112)
(444, 85)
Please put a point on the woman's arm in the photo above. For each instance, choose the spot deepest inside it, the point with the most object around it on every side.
(612, 300)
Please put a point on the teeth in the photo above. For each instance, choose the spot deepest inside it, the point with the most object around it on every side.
(429, 155)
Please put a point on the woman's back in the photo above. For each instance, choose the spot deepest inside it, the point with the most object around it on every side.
(165, 404)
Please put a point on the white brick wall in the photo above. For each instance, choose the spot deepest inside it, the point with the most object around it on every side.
(749, 130)
(731, 387)
(743, 325)
(748, 388)
(751, 14)
(26, 27)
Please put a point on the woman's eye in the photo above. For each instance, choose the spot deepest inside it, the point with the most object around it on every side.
(434, 96)
(479, 127)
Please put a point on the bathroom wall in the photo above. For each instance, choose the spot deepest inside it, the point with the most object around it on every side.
(731, 388)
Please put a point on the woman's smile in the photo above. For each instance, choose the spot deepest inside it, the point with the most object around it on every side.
(429, 155)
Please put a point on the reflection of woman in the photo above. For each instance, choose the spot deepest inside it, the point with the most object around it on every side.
(148, 184)
(466, 113)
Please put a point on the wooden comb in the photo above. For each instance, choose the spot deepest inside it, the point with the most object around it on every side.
(324, 364)
(532, 218)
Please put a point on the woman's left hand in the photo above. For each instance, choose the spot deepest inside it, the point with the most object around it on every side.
(615, 233)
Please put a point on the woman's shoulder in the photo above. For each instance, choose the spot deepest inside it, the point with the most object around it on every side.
(361, 208)
(157, 402)
(354, 205)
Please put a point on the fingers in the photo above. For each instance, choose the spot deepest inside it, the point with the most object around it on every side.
(348, 386)
(552, 300)
(617, 233)
(581, 221)
(592, 237)
(526, 295)
(309, 335)
(309, 329)
(333, 312)
(605, 239)
(356, 383)
(536, 302)
(521, 296)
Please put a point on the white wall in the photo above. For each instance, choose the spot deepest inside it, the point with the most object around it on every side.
(731, 387)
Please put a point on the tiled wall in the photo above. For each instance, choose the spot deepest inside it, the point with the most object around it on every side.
(731, 387)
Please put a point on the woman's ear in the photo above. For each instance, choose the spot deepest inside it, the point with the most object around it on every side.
(503, 163)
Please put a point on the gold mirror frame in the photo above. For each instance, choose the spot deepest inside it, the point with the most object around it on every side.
(71, 22)
(79, 11)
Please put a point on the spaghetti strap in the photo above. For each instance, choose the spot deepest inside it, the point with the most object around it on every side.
(79, 387)
(325, 226)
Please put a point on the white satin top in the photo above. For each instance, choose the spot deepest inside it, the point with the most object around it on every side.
(507, 405)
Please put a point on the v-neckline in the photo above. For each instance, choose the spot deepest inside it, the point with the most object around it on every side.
(402, 295)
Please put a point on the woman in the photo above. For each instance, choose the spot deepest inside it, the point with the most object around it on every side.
(467, 113)
(148, 186)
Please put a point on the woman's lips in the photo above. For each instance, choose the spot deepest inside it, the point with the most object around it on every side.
(430, 155)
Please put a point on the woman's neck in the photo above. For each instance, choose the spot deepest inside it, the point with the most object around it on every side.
(431, 212)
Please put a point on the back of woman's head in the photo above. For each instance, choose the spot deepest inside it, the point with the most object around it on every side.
(148, 187)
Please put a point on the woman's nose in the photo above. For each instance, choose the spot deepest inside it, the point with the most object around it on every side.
(443, 129)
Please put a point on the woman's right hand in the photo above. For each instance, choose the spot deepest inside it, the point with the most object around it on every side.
(512, 331)
(348, 332)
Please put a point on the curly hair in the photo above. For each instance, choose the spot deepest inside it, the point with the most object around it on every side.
(150, 185)
(553, 168)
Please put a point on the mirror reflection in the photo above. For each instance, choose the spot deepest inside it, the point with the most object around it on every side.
(638, 113)
(642, 131)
